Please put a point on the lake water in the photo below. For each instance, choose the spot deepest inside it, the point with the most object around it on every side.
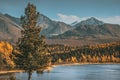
(78, 72)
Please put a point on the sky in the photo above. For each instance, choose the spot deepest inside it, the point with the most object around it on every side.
(67, 11)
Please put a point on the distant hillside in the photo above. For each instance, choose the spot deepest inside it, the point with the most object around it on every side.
(14, 19)
(87, 30)
(50, 27)
(9, 30)
(92, 29)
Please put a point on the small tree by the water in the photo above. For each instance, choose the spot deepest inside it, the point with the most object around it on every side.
(31, 49)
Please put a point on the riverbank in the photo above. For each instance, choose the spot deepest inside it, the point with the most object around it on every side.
(10, 71)
(50, 68)
(77, 72)
(69, 64)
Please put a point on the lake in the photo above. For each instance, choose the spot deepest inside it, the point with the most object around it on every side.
(78, 72)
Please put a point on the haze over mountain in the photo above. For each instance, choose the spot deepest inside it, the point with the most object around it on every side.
(74, 23)
(50, 27)
(91, 29)
(90, 21)
(9, 30)
(88, 29)
(10, 27)
(15, 19)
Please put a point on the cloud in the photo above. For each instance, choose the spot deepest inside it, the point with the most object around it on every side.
(72, 18)
(67, 18)
(113, 20)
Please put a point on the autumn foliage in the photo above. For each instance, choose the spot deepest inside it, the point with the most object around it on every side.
(5, 54)
(102, 53)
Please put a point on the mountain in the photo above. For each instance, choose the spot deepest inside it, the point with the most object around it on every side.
(50, 27)
(74, 23)
(14, 19)
(90, 21)
(10, 27)
(92, 29)
(89, 29)
(9, 30)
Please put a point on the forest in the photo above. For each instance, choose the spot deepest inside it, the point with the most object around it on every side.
(100, 53)
(60, 54)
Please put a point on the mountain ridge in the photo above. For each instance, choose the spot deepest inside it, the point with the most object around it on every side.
(9, 30)
(92, 28)
(50, 27)
(90, 21)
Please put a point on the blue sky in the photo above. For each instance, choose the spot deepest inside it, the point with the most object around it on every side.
(67, 10)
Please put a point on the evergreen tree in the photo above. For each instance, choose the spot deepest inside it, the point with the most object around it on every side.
(31, 52)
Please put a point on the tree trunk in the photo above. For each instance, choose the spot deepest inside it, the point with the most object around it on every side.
(29, 75)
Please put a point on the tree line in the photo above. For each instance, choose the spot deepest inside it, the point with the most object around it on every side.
(102, 53)
(60, 54)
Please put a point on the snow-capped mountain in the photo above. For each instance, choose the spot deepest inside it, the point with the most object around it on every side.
(50, 27)
(92, 28)
(10, 27)
(90, 21)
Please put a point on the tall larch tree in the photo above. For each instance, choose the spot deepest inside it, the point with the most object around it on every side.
(31, 53)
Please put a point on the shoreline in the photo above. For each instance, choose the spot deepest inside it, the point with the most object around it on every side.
(70, 64)
(52, 66)
(10, 71)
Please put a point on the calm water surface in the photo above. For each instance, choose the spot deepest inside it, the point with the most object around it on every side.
(78, 72)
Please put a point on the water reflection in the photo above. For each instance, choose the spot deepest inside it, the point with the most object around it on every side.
(10, 76)
(77, 72)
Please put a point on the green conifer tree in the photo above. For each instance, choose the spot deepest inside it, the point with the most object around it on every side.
(31, 48)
